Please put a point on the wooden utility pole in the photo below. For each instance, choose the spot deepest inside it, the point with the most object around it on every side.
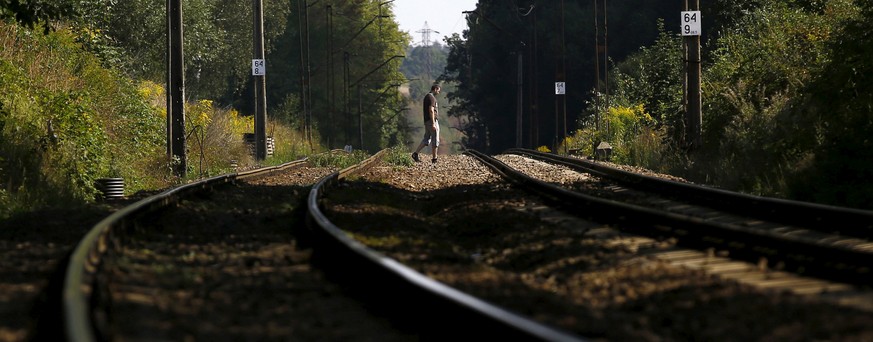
(176, 88)
(693, 111)
(260, 83)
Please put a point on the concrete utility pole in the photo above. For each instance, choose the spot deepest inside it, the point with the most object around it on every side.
(260, 82)
(561, 100)
(601, 51)
(329, 80)
(176, 88)
(169, 81)
(693, 110)
(606, 61)
(168, 56)
(305, 71)
(519, 93)
(534, 135)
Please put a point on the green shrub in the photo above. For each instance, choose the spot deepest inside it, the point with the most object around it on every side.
(338, 159)
(631, 133)
(398, 156)
(65, 120)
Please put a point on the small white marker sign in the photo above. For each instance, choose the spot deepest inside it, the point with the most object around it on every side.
(691, 23)
(560, 88)
(259, 67)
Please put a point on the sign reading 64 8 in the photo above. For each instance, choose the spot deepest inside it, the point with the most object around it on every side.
(259, 67)
(691, 23)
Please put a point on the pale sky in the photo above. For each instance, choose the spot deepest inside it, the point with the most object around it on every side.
(443, 16)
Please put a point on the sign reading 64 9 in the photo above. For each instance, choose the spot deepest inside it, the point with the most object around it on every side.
(691, 23)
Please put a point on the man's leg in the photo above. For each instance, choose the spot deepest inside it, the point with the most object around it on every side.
(434, 150)
(424, 142)
(415, 154)
(435, 143)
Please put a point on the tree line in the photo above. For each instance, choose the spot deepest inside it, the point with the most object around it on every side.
(82, 95)
(786, 98)
(351, 52)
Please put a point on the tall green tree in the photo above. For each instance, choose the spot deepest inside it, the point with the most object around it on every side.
(355, 50)
(218, 51)
(484, 63)
(218, 41)
(33, 12)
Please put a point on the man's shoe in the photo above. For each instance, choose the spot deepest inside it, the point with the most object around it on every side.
(433, 161)
(415, 157)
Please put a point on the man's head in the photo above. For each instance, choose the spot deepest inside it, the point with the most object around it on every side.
(435, 89)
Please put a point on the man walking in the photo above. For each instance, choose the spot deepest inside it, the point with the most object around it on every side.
(431, 124)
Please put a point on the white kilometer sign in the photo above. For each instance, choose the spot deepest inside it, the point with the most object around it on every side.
(691, 23)
(259, 68)
(560, 88)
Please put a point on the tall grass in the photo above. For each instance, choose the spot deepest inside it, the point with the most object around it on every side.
(338, 159)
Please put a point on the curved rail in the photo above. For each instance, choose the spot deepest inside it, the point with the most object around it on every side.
(448, 312)
(85, 260)
(833, 262)
(853, 222)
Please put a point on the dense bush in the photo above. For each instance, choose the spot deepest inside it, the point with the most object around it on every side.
(631, 133)
(66, 120)
(760, 69)
(835, 117)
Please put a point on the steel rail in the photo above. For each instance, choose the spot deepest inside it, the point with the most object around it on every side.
(852, 222)
(799, 254)
(85, 259)
(440, 309)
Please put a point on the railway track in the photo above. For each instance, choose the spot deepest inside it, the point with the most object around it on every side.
(511, 248)
(145, 258)
(830, 242)
(501, 264)
(223, 259)
(829, 219)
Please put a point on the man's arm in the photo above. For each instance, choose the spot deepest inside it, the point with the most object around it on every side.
(431, 115)
(430, 110)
